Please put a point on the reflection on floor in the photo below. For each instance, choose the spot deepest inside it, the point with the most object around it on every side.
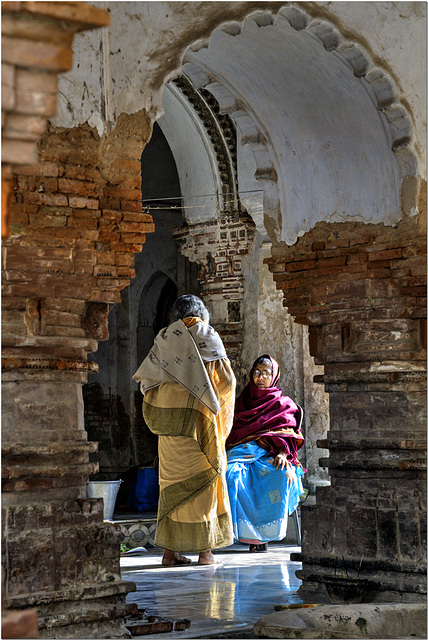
(226, 598)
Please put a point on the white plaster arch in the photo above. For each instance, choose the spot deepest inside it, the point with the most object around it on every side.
(328, 140)
(194, 156)
(113, 74)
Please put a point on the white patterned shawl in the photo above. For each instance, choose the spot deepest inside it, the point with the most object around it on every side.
(178, 355)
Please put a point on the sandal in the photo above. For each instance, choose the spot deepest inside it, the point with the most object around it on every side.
(258, 547)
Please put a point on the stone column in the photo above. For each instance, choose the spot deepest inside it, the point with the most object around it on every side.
(369, 527)
(218, 247)
(362, 291)
(76, 222)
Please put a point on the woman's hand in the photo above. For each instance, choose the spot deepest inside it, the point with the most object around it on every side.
(280, 462)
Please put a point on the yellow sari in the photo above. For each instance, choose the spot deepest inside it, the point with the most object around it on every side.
(194, 512)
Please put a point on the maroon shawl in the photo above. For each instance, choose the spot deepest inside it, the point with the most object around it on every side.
(267, 416)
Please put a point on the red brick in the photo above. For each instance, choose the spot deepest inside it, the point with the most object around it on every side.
(125, 194)
(23, 208)
(45, 198)
(289, 284)
(137, 227)
(132, 238)
(110, 203)
(337, 243)
(75, 172)
(414, 281)
(48, 184)
(137, 217)
(379, 264)
(357, 258)
(46, 220)
(277, 267)
(135, 206)
(22, 183)
(85, 158)
(107, 225)
(109, 236)
(93, 214)
(378, 273)
(49, 169)
(124, 259)
(82, 223)
(126, 272)
(112, 215)
(363, 239)
(78, 187)
(61, 318)
(333, 269)
(298, 256)
(386, 254)
(414, 291)
(357, 268)
(88, 234)
(113, 283)
(105, 296)
(318, 246)
(301, 266)
(333, 262)
(409, 252)
(419, 269)
(82, 203)
(105, 270)
(131, 181)
(128, 165)
(128, 248)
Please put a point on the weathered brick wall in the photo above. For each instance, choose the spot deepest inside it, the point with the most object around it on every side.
(358, 271)
(76, 224)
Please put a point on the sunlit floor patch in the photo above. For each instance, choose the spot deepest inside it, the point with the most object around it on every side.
(217, 599)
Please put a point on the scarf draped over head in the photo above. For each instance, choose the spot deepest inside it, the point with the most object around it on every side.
(178, 355)
(267, 416)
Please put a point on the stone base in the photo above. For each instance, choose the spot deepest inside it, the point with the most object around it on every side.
(99, 613)
(346, 621)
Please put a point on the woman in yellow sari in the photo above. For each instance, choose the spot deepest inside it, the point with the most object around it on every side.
(189, 393)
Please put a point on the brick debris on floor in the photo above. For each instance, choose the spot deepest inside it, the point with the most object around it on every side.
(140, 623)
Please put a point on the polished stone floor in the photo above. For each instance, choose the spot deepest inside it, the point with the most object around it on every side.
(227, 598)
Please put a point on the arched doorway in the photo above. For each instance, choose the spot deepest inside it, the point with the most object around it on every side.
(113, 415)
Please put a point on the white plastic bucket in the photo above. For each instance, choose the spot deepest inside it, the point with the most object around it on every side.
(107, 490)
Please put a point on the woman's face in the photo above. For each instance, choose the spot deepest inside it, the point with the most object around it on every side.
(262, 376)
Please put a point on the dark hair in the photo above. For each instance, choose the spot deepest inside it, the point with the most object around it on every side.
(188, 306)
(264, 359)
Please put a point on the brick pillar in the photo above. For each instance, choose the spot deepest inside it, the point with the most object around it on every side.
(218, 247)
(362, 291)
(76, 222)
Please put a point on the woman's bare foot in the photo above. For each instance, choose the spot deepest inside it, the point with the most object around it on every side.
(206, 557)
(174, 559)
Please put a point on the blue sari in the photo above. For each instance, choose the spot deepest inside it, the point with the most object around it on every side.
(260, 497)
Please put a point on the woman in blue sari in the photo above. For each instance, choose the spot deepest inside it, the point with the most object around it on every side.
(263, 470)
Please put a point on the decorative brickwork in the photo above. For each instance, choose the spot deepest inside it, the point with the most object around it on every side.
(219, 247)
